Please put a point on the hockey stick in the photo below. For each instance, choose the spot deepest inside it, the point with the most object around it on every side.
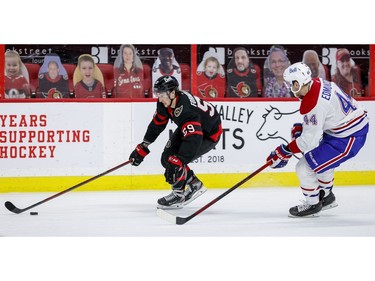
(179, 220)
(10, 206)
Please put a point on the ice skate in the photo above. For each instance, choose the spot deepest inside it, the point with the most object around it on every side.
(305, 210)
(175, 200)
(193, 190)
(329, 202)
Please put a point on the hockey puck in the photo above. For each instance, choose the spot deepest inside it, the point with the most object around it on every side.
(34, 213)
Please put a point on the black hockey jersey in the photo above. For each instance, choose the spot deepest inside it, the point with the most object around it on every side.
(242, 84)
(196, 119)
(51, 88)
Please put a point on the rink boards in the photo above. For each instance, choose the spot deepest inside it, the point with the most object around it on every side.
(49, 146)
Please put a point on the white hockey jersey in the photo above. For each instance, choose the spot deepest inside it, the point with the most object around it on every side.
(326, 108)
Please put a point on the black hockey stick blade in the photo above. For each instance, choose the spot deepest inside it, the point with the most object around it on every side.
(11, 207)
(180, 220)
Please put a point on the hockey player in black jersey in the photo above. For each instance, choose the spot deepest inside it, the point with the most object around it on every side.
(198, 131)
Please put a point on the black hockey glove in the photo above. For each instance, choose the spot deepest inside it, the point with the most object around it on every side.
(139, 153)
(175, 171)
(296, 130)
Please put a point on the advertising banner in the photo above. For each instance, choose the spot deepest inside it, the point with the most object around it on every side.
(76, 139)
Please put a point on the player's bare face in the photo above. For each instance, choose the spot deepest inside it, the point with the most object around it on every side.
(87, 70)
(302, 91)
(294, 88)
(241, 60)
(164, 99)
(12, 67)
(211, 68)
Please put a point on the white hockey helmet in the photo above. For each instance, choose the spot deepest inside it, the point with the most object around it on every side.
(299, 72)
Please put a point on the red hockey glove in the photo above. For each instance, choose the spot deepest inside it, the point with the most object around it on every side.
(139, 153)
(280, 156)
(175, 172)
(296, 130)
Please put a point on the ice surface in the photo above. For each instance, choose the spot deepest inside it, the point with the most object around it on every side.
(245, 236)
(247, 212)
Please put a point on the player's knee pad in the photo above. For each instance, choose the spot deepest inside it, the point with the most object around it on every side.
(306, 175)
(326, 175)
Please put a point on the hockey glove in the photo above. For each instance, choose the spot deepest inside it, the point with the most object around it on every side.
(280, 157)
(175, 172)
(296, 130)
(139, 153)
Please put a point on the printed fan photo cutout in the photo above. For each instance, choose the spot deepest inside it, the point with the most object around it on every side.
(88, 79)
(242, 76)
(166, 64)
(211, 81)
(16, 82)
(128, 74)
(53, 79)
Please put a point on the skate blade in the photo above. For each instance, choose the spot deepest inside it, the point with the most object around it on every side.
(196, 195)
(330, 206)
(316, 215)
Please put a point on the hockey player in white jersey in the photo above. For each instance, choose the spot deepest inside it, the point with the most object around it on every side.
(334, 129)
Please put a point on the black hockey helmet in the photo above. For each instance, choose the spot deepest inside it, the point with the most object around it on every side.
(165, 83)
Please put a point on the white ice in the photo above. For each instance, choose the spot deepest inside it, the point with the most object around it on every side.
(245, 212)
(247, 235)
